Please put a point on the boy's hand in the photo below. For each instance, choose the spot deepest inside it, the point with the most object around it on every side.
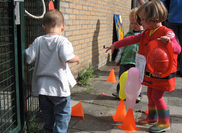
(112, 47)
(117, 63)
(29, 45)
(164, 39)
(78, 62)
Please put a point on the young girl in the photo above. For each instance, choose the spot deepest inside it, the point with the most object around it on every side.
(150, 16)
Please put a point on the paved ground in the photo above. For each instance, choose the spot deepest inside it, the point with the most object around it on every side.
(98, 108)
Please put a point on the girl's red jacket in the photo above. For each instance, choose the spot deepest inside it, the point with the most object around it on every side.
(167, 83)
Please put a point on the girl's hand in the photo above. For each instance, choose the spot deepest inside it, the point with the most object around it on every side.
(112, 47)
(164, 39)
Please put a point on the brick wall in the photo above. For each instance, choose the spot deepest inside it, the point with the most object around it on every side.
(89, 26)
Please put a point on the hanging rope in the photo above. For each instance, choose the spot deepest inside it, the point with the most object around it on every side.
(37, 17)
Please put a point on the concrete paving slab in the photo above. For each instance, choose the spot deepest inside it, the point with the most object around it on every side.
(96, 119)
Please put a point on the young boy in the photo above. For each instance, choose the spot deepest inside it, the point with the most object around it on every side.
(52, 53)
(126, 55)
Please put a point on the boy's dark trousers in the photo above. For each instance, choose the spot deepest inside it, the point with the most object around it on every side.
(122, 69)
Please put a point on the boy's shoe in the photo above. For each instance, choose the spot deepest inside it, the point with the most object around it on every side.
(115, 94)
(139, 98)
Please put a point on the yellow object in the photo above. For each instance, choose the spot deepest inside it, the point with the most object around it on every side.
(122, 82)
(153, 31)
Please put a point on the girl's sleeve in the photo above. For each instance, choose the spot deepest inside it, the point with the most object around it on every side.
(176, 46)
(128, 41)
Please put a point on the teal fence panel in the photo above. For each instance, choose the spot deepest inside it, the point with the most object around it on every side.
(9, 87)
(17, 105)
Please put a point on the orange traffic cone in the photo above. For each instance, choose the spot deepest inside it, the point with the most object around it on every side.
(146, 112)
(77, 110)
(128, 124)
(120, 113)
(51, 5)
(111, 77)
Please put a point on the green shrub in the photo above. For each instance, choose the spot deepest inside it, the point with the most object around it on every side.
(85, 75)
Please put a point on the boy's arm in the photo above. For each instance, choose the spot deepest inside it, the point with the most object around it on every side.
(30, 53)
(73, 60)
(66, 52)
(119, 55)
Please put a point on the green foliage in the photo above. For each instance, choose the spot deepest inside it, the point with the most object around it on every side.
(32, 128)
(85, 75)
(35, 124)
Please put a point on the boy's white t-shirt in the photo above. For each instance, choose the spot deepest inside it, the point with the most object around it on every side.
(51, 74)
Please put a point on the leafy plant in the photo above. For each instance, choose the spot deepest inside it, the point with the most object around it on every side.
(85, 75)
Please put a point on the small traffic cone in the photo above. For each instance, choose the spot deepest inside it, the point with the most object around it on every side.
(77, 110)
(120, 113)
(146, 112)
(51, 5)
(128, 124)
(111, 77)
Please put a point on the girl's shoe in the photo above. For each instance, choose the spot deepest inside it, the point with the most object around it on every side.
(147, 122)
(163, 122)
(159, 128)
(151, 118)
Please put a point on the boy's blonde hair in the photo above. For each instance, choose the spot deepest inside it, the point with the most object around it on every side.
(53, 18)
(154, 11)
(133, 15)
